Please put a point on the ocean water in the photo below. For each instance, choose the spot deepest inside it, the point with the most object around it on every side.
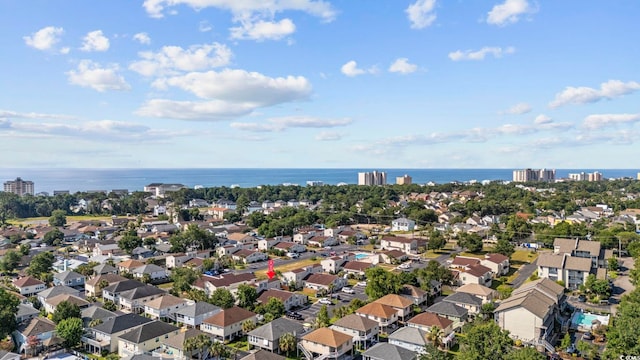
(48, 180)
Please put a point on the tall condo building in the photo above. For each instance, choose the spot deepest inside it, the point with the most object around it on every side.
(403, 180)
(19, 186)
(594, 176)
(372, 178)
(527, 175)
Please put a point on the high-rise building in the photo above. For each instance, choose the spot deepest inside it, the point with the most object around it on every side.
(372, 178)
(19, 186)
(583, 176)
(527, 175)
(404, 180)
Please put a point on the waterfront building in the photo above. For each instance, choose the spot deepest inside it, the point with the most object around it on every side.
(527, 175)
(404, 180)
(594, 176)
(19, 187)
(372, 178)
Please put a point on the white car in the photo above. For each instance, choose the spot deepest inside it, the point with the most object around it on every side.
(325, 301)
(361, 283)
(348, 290)
(404, 266)
(293, 255)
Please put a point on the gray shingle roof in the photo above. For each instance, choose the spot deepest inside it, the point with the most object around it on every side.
(141, 292)
(199, 308)
(463, 298)
(103, 269)
(95, 312)
(57, 290)
(125, 285)
(410, 335)
(120, 323)
(263, 355)
(386, 351)
(148, 331)
(68, 275)
(275, 329)
(448, 309)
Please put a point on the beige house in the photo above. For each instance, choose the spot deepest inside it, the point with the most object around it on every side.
(289, 299)
(401, 304)
(173, 346)
(384, 315)
(332, 265)
(92, 286)
(324, 281)
(486, 294)
(128, 265)
(498, 263)
(362, 330)
(227, 324)
(475, 274)
(298, 275)
(571, 270)
(327, 343)
(28, 285)
(51, 303)
(164, 306)
(145, 338)
(406, 245)
(426, 320)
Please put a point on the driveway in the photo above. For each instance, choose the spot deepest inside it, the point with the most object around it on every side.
(524, 273)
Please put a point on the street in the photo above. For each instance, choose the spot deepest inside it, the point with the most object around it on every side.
(309, 314)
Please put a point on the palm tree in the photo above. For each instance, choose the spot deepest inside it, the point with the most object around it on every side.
(435, 336)
(218, 350)
(288, 342)
(200, 343)
(248, 325)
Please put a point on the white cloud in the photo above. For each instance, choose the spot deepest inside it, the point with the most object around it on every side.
(542, 119)
(402, 66)
(204, 26)
(318, 8)
(32, 115)
(171, 59)
(509, 12)
(351, 69)
(421, 13)
(45, 38)
(95, 41)
(328, 136)
(92, 75)
(517, 109)
(142, 38)
(240, 86)
(583, 95)
(283, 123)
(263, 30)
(598, 121)
(497, 52)
(214, 110)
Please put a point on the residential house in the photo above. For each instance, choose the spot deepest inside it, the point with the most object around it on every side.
(25, 313)
(303, 235)
(51, 303)
(333, 264)
(362, 329)
(393, 256)
(289, 299)
(105, 335)
(128, 265)
(322, 241)
(498, 263)
(472, 303)
(173, 346)
(327, 282)
(406, 245)
(356, 267)
(249, 256)
(403, 224)
(92, 286)
(487, 295)
(426, 321)
(583, 249)
(229, 281)
(154, 272)
(451, 311)
(401, 304)
(40, 328)
(410, 338)
(297, 276)
(532, 311)
(384, 315)
(94, 312)
(263, 355)
(571, 270)
(55, 291)
(227, 324)
(415, 294)
(267, 244)
(29, 286)
(134, 300)
(227, 250)
(69, 278)
(476, 274)
(268, 335)
(387, 351)
(145, 338)
(291, 247)
(240, 238)
(327, 343)
(106, 249)
(104, 269)
(164, 306)
(192, 315)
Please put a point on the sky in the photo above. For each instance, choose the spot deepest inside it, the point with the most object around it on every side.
(320, 84)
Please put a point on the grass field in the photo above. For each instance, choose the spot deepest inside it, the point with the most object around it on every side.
(262, 274)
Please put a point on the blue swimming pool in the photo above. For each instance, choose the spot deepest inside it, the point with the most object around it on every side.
(361, 256)
(585, 320)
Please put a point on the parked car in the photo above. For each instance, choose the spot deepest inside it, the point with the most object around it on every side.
(348, 290)
(294, 315)
(361, 283)
(582, 298)
(293, 255)
(587, 336)
(325, 301)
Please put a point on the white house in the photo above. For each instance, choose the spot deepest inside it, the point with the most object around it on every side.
(403, 224)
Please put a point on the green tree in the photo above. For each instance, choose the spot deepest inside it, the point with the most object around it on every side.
(58, 218)
(41, 264)
(8, 310)
(248, 325)
(485, 341)
(435, 336)
(525, 353)
(323, 317)
(432, 353)
(110, 305)
(86, 269)
(53, 237)
(219, 350)
(288, 343)
(198, 343)
(182, 278)
(129, 241)
(66, 310)
(472, 242)
(25, 249)
(566, 341)
(9, 261)
(504, 247)
(274, 306)
(247, 296)
(223, 298)
(70, 330)
(612, 264)
(437, 241)
(381, 282)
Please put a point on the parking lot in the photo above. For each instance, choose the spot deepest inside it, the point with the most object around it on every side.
(309, 314)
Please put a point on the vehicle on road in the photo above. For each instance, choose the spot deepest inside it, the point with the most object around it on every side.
(325, 301)
(348, 290)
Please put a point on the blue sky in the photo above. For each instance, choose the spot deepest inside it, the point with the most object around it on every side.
(320, 83)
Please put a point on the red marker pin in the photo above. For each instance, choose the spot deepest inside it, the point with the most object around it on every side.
(270, 272)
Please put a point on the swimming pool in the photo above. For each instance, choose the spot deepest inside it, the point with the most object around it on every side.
(586, 320)
(361, 256)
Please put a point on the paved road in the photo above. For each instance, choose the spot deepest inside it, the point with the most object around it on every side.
(309, 314)
(340, 249)
(524, 273)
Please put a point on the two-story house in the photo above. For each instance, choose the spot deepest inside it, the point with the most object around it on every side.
(406, 245)
(327, 344)
(69, 278)
(472, 303)
(164, 306)
(401, 304)
(268, 335)
(193, 315)
(363, 330)
(29, 286)
(498, 263)
(145, 338)
(290, 299)
(325, 282)
(403, 224)
(104, 336)
(384, 315)
(573, 271)
(227, 324)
